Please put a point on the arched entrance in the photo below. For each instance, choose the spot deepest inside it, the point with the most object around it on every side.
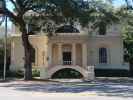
(56, 70)
(68, 73)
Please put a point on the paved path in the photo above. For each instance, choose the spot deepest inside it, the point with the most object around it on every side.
(97, 90)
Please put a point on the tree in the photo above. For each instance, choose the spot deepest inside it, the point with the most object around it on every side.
(98, 13)
(128, 39)
(56, 10)
(45, 7)
(126, 16)
(129, 4)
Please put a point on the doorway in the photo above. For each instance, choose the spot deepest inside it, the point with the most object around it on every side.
(67, 59)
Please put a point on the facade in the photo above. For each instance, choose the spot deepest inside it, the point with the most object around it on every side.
(76, 50)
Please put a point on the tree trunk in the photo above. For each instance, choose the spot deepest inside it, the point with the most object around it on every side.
(27, 63)
(27, 49)
(27, 60)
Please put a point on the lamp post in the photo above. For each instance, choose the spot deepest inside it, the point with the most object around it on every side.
(2, 9)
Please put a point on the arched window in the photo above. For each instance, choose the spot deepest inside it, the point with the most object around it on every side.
(102, 55)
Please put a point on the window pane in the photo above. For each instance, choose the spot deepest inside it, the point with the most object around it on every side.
(102, 55)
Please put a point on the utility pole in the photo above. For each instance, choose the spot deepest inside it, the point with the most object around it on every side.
(5, 49)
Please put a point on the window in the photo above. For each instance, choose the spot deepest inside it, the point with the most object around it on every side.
(102, 28)
(67, 58)
(33, 55)
(102, 55)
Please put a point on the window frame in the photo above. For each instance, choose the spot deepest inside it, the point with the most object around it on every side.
(103, 55)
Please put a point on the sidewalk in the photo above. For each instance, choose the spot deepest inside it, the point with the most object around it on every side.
(110, 87)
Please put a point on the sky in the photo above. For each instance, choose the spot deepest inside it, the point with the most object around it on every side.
(116, 3)
(119, 2)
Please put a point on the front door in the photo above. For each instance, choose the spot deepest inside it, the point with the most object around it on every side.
(67, 58)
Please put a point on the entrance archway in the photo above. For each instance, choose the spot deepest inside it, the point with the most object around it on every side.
(51, 71)
(68, 73)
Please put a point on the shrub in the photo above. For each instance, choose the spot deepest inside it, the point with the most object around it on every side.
(35, 73)
(67, 73)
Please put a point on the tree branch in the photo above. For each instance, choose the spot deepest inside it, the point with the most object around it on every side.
(11, 16)
(14, 3)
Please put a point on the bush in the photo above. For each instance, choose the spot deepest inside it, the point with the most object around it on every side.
(67, 73)
(17, 74)
(35, 73)
(20, 73)
(111, 73)
(2, 59)
(2, 53)
(9, 74)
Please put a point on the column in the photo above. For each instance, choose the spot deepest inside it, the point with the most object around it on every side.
(60, 54)
(49, 54)
(12, 65)
(47, 60)
(74, 54)
(84, 55)
(12, 52)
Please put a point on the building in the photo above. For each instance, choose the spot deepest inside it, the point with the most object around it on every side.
(73, 48)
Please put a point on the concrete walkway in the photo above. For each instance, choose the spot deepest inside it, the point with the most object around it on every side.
(102, 88)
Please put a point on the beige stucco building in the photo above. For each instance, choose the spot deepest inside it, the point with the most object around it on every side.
(80, 51)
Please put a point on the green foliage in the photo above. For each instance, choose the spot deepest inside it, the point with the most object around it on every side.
(67, 73)
(65, 11)
(17, 74)
(35, 72)
(111, 73)
(20, 73)
(70, 11)
(2, 54)
(128, 37)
